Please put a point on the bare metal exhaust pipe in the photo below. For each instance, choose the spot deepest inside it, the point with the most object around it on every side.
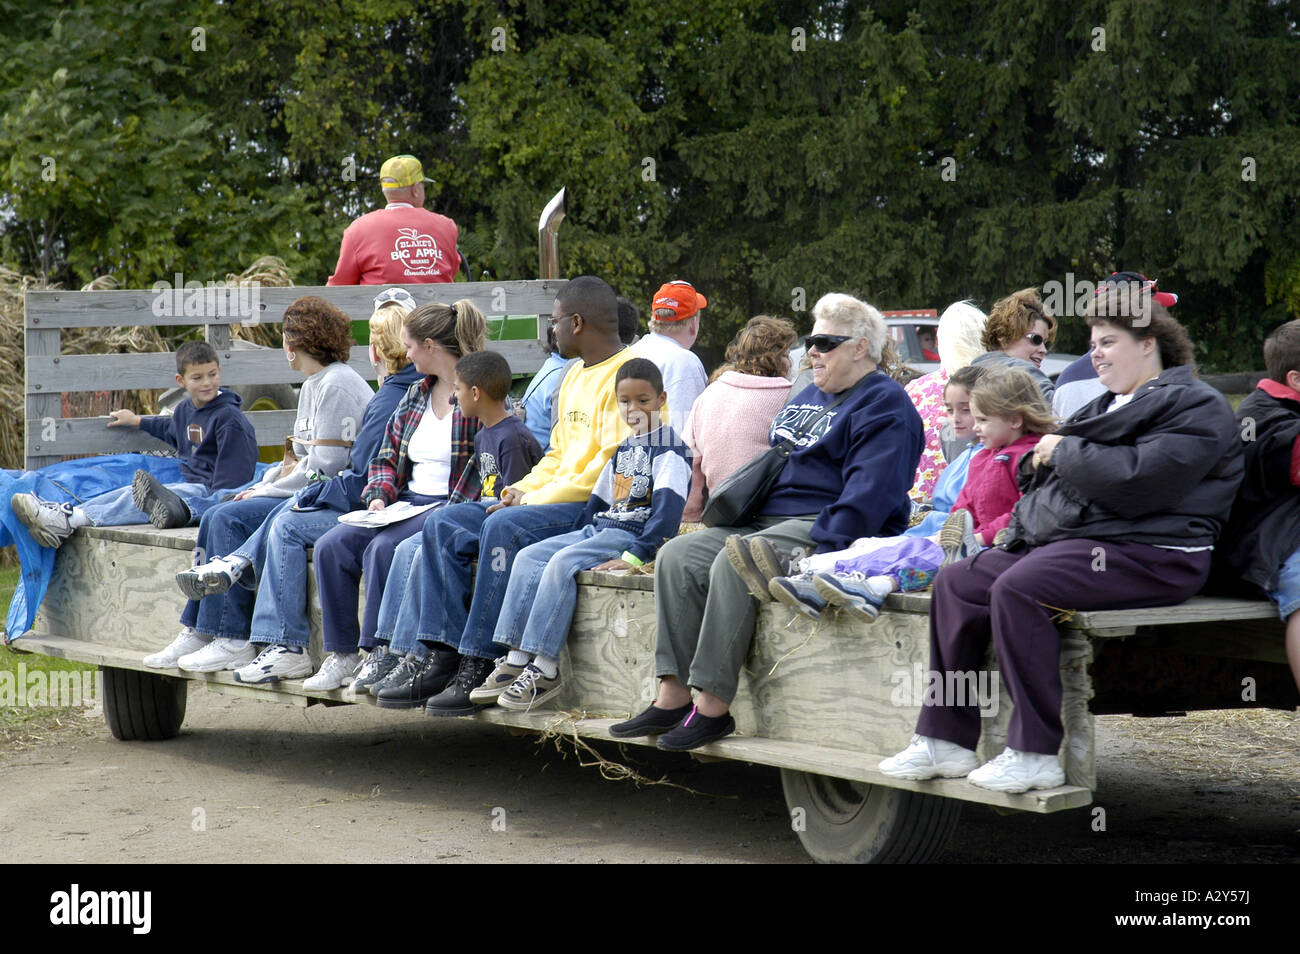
(548, 245)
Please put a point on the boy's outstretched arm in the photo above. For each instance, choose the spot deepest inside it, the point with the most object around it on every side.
(124, 417)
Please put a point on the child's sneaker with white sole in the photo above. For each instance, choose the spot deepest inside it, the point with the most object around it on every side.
(184, 644)
(276, 664)
(219, 655)
(338, 670)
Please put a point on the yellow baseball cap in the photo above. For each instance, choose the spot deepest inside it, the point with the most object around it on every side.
(401, 172)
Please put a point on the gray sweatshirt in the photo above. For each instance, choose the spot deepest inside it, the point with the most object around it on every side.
(996, 359)
(330, 406)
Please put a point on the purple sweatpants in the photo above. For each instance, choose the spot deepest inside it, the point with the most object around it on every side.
(1006, 596)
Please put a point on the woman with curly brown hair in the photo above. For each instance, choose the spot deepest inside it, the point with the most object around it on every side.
(729, 422)
(1017, 334)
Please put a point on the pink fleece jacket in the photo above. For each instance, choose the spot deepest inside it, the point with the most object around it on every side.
(727, 427)
(991, 490)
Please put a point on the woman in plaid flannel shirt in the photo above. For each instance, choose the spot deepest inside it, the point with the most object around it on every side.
(424, 458)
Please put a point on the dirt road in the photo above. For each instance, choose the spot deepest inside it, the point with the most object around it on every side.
(252, 781)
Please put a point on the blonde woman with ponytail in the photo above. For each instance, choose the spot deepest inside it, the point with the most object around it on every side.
(424, 457)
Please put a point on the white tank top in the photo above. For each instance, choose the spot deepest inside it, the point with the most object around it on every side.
(430, 451)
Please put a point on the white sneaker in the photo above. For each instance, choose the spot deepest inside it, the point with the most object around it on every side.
(930, 758)
(1014, 771)
(218, 655)
(50, 523)
(275, 664)
(338, 670)
(184, 644)
(207, 579)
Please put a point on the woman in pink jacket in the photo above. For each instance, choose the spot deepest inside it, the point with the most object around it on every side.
(729, 422)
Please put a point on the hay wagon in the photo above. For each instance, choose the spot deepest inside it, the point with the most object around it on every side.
(821, 702)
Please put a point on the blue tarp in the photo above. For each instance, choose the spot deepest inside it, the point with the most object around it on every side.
(75, 481)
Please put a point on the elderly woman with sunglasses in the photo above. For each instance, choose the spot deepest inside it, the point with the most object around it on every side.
(1017, 335)
(847, 477)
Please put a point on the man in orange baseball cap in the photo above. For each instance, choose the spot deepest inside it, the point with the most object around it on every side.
(402, 243)
(674, 326)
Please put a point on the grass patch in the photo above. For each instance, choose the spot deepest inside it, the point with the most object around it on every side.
(23, 719)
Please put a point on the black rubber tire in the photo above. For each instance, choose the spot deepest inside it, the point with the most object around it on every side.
(143, 706)
(846, 822)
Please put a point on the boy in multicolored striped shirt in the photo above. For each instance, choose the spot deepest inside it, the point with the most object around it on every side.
(635, 507)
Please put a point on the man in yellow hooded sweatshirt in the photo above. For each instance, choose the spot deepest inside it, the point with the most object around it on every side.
(545, 503)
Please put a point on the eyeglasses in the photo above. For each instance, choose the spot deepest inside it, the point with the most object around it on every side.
(1035, 339)
(825, 343)
(398, 296)
(558, 318)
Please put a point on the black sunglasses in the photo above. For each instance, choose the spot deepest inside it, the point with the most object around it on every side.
(824, 343)
(1035, 339)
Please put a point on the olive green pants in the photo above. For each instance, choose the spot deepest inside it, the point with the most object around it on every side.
(704, 614)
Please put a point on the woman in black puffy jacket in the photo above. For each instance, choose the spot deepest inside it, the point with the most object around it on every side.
(1121, 510)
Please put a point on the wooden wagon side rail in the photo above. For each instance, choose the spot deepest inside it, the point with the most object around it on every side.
(49, 374)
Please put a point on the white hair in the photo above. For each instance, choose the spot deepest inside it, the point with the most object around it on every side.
(856, 317)
(960, 328)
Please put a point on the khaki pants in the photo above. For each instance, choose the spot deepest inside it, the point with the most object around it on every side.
(704, 613)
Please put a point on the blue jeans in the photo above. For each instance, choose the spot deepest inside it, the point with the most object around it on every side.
(543, 589)
(117, 508)
(343, 557)
(1287, 593)
(226, 527)
(280, 609)
(454, 536)
(399, 611)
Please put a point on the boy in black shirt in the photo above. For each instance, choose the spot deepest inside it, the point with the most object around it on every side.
(504, 451)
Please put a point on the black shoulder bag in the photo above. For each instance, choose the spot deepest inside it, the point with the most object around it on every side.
(737, 500)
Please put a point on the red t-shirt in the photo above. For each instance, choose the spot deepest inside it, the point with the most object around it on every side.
(397, 245)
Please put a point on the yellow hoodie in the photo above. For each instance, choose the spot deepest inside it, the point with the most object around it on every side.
(588, 429)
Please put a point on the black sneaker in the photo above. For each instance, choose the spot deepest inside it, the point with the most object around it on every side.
(651, 722)
(438, 669)
(742, 562)
(454, 700)
(378, 663)
(165, 509)
(697, 730)
(407, 666)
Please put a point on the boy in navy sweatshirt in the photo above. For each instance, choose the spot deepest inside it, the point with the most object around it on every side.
(215, 442)
(635, 507)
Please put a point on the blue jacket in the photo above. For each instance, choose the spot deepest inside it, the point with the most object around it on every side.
(854, 470)
(216, 443)
(343, 493)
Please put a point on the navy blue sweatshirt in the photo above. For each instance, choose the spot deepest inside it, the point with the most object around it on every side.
(343, 493)
(854, 470)
(216, 443)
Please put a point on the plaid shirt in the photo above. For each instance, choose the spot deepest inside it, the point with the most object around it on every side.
(390, 469)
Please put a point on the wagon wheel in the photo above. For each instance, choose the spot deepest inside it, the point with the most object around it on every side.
(844, 821)
(142, 706)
